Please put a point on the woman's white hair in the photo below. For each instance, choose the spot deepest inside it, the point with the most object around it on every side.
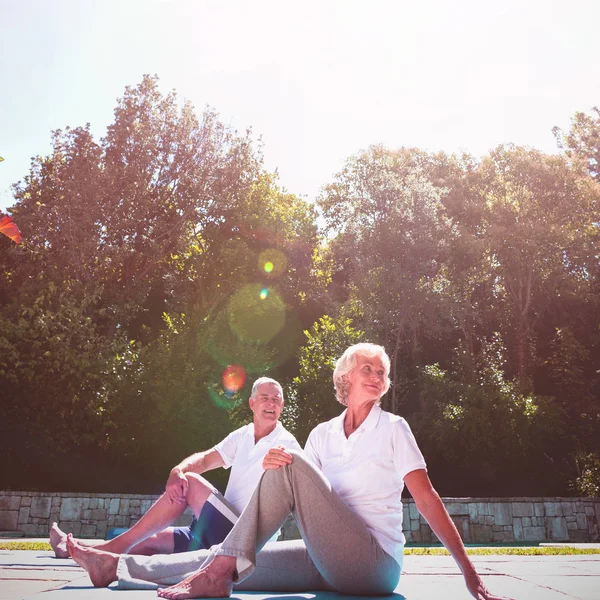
(347, 363)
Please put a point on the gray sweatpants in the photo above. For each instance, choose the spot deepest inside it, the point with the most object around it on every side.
(337, 551)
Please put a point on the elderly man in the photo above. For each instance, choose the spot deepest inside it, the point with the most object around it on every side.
(214, 515)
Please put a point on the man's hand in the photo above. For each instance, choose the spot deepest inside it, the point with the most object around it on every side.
(477, 589)
(277, 457)
(177, 486)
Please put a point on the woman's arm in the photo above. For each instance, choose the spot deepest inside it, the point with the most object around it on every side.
(430, 505)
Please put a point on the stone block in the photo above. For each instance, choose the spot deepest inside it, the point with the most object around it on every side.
(482, 534)
(111, 520)
(87, 514)
(534, 534)
(457, 508)
(414, 512)
(73, 527)
(526, 521)
(483, 508)
(26, 501)
(98, 514)
(522, 509)
(415, 524)
(589, 511)
(23, 515)
(538, 509)
(54, 516)
(135, 511)
(9, 520)
(425, 533)
(29, 529)
(132, 521)
(463, 526)
(101, 529)
(518, 530)
(553, 509)
(93, 503)
(121, 521)
(572, 525)
(10, 502)
(597, 510)
(567, 508)
(113, 507)
(581, 521)
(40, 507)
(71, 509)
(593, 531)
(124, 507)
(502, 513)
(100, 503)
(56, 501)
(415, 536)
(558, 529)
(88, 531)
(135, 502)
(578, 535)
(146, 504)
(489, 520)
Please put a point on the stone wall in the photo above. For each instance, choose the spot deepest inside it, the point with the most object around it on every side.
(479, 520)
(84, 515)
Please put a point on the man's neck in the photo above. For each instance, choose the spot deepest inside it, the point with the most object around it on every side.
(261, 431)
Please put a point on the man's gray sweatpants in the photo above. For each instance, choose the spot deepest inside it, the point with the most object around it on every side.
(337, 551)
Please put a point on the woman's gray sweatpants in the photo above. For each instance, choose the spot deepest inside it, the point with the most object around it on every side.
(337, 550)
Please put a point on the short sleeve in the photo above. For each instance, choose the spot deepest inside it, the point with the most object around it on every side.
(407, 456)
(310, 448)
(227, 448)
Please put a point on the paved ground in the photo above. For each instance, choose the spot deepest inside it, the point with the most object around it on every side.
(37, 575)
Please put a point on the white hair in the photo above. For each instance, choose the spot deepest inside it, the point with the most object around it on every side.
(347, 363)
(262, 380)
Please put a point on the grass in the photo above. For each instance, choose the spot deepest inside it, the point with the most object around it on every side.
(428, 551)
(506, 551)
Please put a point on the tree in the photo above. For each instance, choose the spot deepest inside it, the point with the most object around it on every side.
(393, 237)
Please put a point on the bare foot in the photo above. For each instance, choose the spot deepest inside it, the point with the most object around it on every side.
(58, 541)
(101, 566)
(214, 581)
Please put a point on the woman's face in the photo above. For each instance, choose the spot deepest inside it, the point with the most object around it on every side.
(367, 380)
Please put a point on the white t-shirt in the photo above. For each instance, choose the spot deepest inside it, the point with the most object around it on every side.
(367, 470)
(245, 458)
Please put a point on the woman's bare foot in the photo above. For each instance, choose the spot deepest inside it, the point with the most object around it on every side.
(58, 541)
(213, 581)
(101, 566)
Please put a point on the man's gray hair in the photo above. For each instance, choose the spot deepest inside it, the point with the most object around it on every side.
(262, 380)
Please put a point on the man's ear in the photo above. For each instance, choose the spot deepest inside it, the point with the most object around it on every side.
(251, 403)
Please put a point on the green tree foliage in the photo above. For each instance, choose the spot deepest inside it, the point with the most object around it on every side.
(156, 256)
(313, 393)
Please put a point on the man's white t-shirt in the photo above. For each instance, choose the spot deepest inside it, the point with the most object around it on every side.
(367, 470)
(245, 458)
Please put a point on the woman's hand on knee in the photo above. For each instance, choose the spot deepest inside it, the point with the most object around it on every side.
(277, 457)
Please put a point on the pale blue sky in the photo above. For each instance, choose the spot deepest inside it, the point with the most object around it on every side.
(319, 80)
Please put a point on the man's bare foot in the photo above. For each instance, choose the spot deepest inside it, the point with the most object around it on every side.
(58, 541)
(213, 581)
(101, 566)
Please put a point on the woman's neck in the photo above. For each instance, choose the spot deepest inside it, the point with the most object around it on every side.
(356, 415)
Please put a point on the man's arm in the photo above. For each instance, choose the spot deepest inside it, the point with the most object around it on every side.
(430, 505)
(176, 488)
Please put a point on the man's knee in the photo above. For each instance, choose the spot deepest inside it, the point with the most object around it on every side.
(199, 489)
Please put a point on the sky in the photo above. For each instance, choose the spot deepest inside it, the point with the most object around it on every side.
(318, 81)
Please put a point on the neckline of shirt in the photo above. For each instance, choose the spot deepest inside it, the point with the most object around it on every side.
(337, 423)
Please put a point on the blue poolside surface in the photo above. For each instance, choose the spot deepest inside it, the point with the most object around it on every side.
(37, 575)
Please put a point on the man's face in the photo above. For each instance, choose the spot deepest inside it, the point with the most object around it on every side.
(267, 403)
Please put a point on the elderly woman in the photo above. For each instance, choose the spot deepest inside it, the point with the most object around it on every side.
(344, 494)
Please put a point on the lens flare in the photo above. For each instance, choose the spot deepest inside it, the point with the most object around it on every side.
(272, 262)
(256, 314)
(234, 377)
